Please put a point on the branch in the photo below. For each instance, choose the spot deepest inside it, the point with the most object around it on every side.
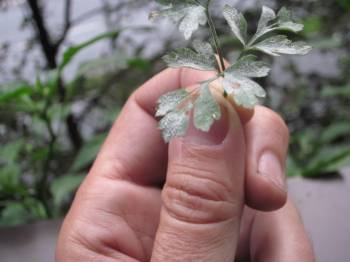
(42, 183)
(47, 46)
(215, 38)
(67, 23)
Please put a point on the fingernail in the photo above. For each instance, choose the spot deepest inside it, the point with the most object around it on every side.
(271, 167)
(215, 136)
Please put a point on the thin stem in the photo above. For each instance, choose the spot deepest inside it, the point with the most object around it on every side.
(42, 183)
(215, 38)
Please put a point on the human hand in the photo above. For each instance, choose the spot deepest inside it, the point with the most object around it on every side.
(123, 212)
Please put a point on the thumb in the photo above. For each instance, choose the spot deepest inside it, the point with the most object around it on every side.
(203, 195)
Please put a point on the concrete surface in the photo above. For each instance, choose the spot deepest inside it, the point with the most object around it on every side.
(325, 208)
(31, 243)
(324, 205)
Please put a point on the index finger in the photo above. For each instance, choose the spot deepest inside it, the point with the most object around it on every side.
(134, 149)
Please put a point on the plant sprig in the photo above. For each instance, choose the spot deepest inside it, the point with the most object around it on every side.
(236, 80)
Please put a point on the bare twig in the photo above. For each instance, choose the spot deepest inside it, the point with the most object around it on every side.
(47, 45)
(42, 183)
(67, 23)
(215, 38)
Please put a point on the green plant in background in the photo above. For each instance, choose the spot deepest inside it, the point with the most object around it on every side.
(237, 81)
(41, 164)
(323, 151)
(35, 193)
(314, 104)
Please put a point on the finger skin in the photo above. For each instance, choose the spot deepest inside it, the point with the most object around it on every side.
(266, 132)
(116, 210)
(134, 147)
(127, 156)
(274, 236)
(109, 220)
(280, 236)
(203, 198)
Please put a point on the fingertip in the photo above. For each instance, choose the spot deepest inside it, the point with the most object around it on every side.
(267, 139)
(245, 114)
(262, 194)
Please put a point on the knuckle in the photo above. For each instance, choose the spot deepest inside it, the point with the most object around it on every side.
(198, 195)
(113, 169)
(273, 119)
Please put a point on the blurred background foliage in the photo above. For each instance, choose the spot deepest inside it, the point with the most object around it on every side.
(62, 89)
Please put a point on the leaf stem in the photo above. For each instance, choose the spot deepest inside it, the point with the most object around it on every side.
(215, 37)
(42, 183)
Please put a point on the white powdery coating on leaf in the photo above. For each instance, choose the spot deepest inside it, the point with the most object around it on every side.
(244, 91)
(174, 124)
(280, 44)
(188, 15)
(237, 22)
(290, 26)
(270, 23)
(284, 15)
(169, 101)
(267, 15)
(206, 109)
(194, 17)
(185, 57)
(203, 48)
(248, 66)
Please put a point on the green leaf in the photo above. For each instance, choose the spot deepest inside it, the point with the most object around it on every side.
(284, 15)
(10, 151)
(336, 91)
(35, 207)
(164, 2)
(10, 175)
(344, 4)
(236, 83)
(14, 214)
(237, 23)
(280, 44)
(174, 124)
(335, 131)
(88, 153)
(188, 14)
(267, 15)
(203, 48)
(337, 166)
(185, 57)
(15, 92)
(293, 169)
(58, 112)
(284, 23)
(313, 24)
(290, 26)
(248, 66)
(63, 187)
(139, 63)
(71, 52)
(100, 66)
(244, 91)
(206, 109)
(327, 160)
(169, 101)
